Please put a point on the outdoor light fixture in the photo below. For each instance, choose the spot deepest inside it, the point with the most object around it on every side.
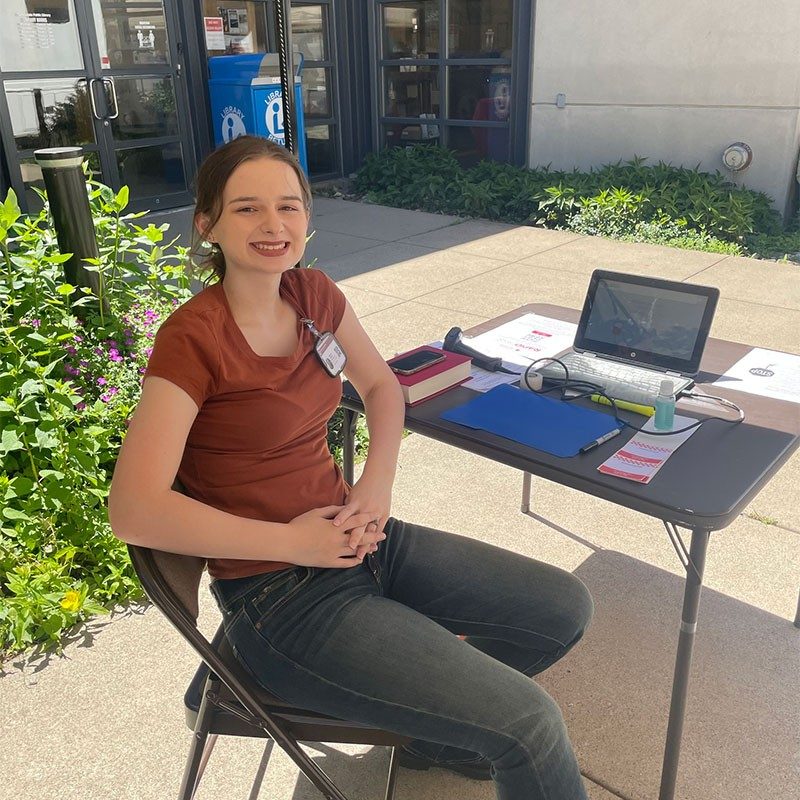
(737, 156)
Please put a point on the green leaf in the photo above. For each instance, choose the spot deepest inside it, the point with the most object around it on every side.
(13, 513)
(9, 441)
(65, 288)
(121, 199)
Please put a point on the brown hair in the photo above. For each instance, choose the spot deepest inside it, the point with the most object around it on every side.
(210, 183)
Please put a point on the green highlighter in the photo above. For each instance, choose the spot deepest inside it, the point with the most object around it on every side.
(646, 411)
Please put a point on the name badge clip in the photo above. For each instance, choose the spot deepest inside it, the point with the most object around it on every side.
(327, 349)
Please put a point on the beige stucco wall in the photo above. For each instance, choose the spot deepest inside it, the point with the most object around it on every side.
(675, 81)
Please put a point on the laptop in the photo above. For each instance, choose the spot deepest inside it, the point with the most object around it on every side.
(636, 331)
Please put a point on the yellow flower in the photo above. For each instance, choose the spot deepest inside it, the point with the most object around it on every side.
(71, 601)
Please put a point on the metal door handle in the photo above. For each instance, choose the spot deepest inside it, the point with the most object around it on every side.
(92, 82)
(110, 82)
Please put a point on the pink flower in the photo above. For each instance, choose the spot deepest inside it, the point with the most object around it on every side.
(80, 406)
(101, 381)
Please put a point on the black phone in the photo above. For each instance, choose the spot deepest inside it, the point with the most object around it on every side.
(408, 365)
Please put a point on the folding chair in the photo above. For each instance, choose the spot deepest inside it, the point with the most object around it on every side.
(224, 699)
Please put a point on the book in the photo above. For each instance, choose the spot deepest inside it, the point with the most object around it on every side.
(436, 378)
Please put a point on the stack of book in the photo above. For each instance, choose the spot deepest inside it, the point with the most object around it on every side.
(434, 379)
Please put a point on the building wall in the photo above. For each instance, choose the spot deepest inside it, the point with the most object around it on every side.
(676, 81)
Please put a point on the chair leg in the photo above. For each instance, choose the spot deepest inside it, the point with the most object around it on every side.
(525, 506)
(198, 753)
(209, 746)
(392, 779)
(261, 771)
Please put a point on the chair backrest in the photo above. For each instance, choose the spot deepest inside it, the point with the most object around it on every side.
(169, 577)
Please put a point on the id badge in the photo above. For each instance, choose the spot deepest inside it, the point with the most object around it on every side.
(330, 353)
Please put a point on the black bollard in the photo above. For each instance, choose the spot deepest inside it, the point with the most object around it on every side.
(65, 185)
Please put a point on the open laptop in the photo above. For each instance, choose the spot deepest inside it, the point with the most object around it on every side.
(635, 331)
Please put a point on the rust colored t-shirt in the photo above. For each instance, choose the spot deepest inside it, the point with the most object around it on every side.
(258, 446)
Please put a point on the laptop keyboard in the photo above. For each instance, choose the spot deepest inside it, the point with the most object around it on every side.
(620, 381)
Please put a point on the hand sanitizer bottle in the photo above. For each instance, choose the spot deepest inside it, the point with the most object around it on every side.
(665, 407)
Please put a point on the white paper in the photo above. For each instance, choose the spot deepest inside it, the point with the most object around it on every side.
(525, 339)
(644, 455)
(215, 38)
(769, 373)
(481, 380)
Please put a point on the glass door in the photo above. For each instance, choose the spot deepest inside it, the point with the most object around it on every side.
(102, 74)
(138, 99)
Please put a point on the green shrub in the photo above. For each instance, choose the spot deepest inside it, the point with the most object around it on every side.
(67, 388)
(660, 203)
(68, 385)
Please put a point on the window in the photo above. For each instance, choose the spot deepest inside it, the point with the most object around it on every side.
(445, 75)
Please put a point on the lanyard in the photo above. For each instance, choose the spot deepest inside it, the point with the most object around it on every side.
(327, 348)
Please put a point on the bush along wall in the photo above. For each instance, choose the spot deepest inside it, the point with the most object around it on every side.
(633, 201)
(68, 384)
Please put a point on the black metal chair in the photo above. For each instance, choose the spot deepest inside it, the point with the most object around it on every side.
(224, 699)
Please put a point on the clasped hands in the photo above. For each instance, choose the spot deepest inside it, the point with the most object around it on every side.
(341, 536)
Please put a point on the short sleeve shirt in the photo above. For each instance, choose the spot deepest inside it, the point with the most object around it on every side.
(258, 446)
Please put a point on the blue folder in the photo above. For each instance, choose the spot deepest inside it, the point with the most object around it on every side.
(536, 420)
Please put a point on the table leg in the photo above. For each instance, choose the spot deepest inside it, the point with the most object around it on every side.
(349, 445)
(683, 662)
(797, 613)
(526, 493)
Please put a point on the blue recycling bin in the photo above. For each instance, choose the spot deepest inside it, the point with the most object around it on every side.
(246, 98)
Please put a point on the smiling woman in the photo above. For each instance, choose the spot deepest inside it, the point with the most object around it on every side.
(240, 386)
(213, 210)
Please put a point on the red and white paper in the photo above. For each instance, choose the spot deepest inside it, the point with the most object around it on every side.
(644, 455)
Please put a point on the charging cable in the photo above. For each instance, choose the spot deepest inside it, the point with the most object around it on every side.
(534, 381)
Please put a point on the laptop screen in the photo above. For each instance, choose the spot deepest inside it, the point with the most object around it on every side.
(646, 321)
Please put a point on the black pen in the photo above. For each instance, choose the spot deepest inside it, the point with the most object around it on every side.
(601, 440)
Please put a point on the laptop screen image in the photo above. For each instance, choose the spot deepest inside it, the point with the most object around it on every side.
(646, 321)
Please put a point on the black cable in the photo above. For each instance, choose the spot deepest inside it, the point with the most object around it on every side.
(586, 388)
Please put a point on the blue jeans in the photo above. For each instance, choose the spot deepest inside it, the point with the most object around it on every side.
(376, 644)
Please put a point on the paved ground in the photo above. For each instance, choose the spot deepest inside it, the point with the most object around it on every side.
(106, 720)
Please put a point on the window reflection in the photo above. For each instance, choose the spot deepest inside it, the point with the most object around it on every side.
(321, 150)
(244, 28)
(411, 91)
(476, 144)
(35, 33)
(152, 171)
(146, 108)
(131, 32)
(479, 28)
(480, 93)
(316, 101)
(411, 29)
(308, 32)
(54, 112)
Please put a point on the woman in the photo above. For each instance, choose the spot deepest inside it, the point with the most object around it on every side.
(327, 600)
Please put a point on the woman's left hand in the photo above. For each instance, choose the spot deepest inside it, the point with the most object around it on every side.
(367, 495)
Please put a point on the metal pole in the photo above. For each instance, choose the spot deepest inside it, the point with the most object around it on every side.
(283, 30)
(683, 663)
(72, 218)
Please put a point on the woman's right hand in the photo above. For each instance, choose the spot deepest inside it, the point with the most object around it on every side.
(316, 542)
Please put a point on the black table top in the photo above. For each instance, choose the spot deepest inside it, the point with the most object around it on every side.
(704, 484)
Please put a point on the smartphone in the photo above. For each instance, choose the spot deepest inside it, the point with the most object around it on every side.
(408, 365)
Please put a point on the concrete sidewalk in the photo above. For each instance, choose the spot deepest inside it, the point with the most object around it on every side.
(106, 720)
